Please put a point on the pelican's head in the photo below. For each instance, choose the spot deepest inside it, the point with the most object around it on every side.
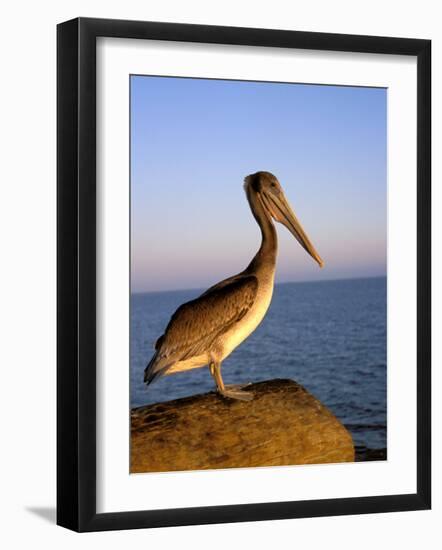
(271, 195)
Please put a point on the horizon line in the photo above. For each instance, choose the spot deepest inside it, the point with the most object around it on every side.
(276, 284)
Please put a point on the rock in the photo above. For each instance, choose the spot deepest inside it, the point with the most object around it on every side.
(364, 454)
(284, 424)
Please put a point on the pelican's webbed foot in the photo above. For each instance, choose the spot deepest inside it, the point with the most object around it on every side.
(234, 391)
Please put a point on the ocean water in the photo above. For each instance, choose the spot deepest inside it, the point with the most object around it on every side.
(329, 336)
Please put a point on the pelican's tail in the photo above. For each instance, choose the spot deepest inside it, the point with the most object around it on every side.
(155, 368)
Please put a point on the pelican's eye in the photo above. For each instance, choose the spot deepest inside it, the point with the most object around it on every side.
(274, 188)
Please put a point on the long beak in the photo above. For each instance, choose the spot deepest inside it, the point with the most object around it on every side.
(282, 212)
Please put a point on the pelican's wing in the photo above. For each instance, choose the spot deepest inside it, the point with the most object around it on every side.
(195, 325)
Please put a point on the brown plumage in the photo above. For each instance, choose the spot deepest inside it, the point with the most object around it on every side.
(195, 327)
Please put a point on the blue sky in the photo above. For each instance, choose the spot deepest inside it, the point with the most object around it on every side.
(194, 140)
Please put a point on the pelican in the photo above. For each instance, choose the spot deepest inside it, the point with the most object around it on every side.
(206, 330)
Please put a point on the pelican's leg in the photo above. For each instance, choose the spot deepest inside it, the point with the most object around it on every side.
(233, 392)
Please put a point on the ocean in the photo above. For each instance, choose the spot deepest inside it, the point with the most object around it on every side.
(329, 336)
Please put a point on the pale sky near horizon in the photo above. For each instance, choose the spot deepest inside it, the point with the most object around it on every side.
(194, 140)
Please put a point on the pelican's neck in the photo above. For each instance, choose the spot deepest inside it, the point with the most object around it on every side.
(269, 242)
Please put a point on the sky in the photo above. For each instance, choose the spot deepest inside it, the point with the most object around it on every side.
(194, 140)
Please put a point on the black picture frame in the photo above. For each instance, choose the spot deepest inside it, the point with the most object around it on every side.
(76, 273)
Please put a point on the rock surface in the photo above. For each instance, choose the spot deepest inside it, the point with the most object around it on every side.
(282, 425)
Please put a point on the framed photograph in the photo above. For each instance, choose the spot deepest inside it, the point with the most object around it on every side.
(243, 274)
